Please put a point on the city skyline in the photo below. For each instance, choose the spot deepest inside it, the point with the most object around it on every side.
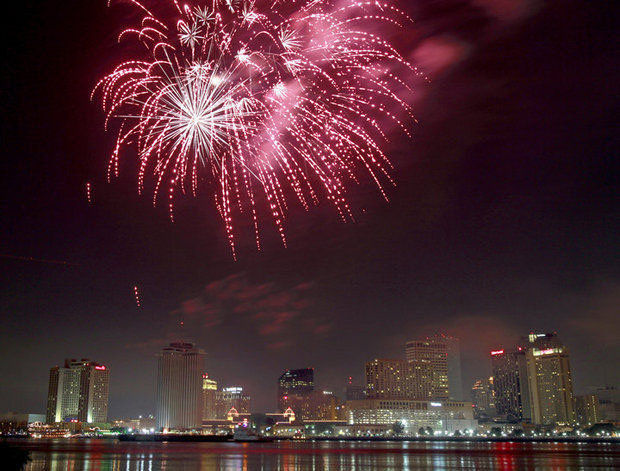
(518, 390)
(503, 219)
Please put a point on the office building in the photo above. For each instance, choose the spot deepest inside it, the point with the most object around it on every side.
(429, 360)
(609, 402)
(294, 386)
(587, 410)
(446, 416)
(550, 381)
(390, 379)
(78, 391)
(209, 390)
(483, 399)
(510, 385)
(455, 378)
(229, 398)
(180, 367)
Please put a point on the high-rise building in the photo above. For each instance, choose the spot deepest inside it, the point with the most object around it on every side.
(179, 386)
(294, 386)
(455, 378)
(587, 409)
(483, 398)
(550, 381)
(78, 391)
(390, 379)
(209, 390)
(429, 360)
(510, 385)
(229, 398)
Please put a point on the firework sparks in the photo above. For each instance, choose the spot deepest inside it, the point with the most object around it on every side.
(264, 101)
(136, 294)
(89, 193)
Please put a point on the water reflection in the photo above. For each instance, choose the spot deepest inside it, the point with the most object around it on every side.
(111, 455)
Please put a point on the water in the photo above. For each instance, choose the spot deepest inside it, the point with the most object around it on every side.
(112, 455)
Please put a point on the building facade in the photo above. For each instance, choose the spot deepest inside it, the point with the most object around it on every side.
(229, 398)
(390, 379)
(209, 391)
(446, 416)
(550, 380)
(428, 359)
(510, 385)
(587, 410)
(180, 367)
(483, 398)
(294, 386)
(78, 391)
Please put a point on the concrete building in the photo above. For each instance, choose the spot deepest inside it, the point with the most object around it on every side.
(587, 410)
(444, 417)
(180, 367)
(510, 385)
(209, 391)
(390, 379)
(78, 391)
(428, 359)
(230, 398)
(550, 381)
(483, 398)
(455, 378)
(294, 386)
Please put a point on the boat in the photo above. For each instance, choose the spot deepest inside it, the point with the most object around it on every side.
(245, 434)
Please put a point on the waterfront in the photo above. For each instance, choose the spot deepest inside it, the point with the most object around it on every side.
(77, 455)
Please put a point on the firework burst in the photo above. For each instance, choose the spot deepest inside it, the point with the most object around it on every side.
(262, 101)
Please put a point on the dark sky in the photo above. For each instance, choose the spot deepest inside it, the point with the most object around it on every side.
(504, 218)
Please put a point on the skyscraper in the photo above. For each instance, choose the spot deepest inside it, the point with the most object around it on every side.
(294, 386)
(390, 379)
(483, 398)
(429, 360)
(510, 384)
(550, 381)
(179, 386)
(78, 391)
(455, 379)
(209, 390)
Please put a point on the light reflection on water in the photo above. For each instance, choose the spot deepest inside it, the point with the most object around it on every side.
(112, 455)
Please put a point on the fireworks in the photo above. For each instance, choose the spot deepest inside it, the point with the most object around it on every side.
(89, 191)
(260, 102)
(136, 294)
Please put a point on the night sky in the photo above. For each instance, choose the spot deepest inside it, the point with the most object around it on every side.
(504, 218)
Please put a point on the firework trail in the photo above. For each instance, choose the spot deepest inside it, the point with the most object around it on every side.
(136, 294)
(262, 101)
(89, 189)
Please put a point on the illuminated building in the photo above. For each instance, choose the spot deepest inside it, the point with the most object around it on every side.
(483, 398)
(587, 409)
(209, 389)
(550, 381)
(510, 385)
(94, 387)
(444, 416)
(78, 391)
(229, 398)
(390, 379)
(429, 360)
(294, 386)
(609, 402)
(179, 386)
